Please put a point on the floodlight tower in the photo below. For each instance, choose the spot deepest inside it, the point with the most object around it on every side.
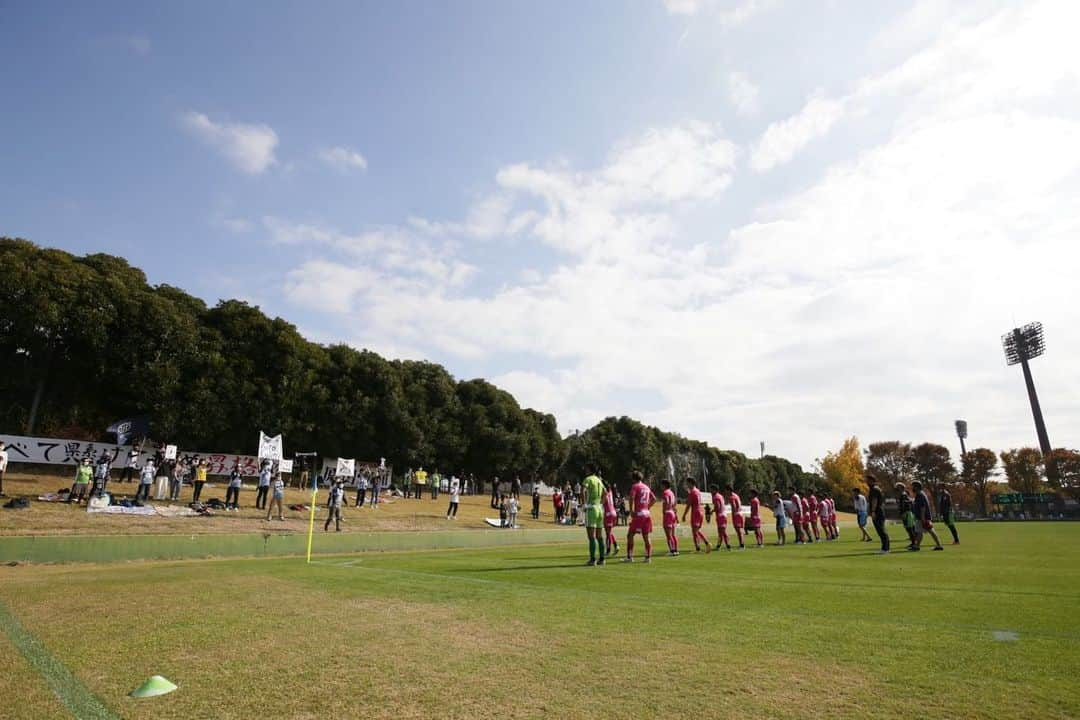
(961, 432)
(1021, 345)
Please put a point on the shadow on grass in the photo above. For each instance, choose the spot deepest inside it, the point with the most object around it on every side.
(519, 567)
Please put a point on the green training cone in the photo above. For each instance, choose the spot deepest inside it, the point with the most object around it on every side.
(156, 685)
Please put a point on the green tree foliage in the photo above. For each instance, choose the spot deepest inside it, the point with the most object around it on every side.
(979, 469)
(890, 462)
(1023, 469)
(1067, 464)
(87, 340)
(932, 466)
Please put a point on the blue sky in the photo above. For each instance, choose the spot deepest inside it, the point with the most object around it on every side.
(746, 220)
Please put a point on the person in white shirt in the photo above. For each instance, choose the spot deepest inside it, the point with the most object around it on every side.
(780, 512)
(3, 466)
(454, 488)
(131, 466)
(333, 504)
(361, 485)
(146, 478)
(861, 514)
(264, 486)
(512, 507)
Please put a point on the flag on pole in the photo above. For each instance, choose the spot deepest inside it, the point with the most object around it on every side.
(671, 469)
(704, 473)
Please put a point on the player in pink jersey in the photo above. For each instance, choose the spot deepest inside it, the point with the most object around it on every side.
(721, 517)
(804, 515)
(796, 516)
(610, 518)
(755, 518)
(697, 515)
(815, 510)
(671, 519)
(828, 517)
(641, 500)
(736, 514)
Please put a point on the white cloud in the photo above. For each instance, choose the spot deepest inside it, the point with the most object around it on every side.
(343, 159)
(248, 147)
(782, 140)
(868, 303)
(238, 225)
(743, 93)
(729, 14)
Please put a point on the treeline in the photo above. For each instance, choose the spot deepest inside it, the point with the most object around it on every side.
(971, 482)
(85, 341)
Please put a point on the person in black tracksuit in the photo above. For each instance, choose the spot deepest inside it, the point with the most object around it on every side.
(877, 511)
(947, 514)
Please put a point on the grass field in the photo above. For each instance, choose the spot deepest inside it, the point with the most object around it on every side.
(986, 629)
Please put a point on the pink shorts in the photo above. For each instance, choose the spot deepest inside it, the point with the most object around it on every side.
(670, 520)
(737, 520)
(609, 521)
(721, 520)
(755, 522)
(641, 524)
(697, 519)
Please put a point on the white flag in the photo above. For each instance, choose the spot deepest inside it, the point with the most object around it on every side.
(345, 468)
(285, 466)
(269, 447)
(170, 452)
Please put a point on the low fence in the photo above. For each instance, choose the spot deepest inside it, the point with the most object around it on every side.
(118, 548)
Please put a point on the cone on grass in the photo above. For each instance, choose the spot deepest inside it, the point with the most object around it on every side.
(156, 685)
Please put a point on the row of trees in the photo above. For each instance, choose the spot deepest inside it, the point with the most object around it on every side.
(85, 341)
(1024, 469)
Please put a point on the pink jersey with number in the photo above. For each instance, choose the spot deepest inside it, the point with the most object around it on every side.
(609, 504)
(796, 505)
(641, 497)
(669, 501)
(718, 508)
(805, 510)
(755, 513)
(736, 509)
(812, 504)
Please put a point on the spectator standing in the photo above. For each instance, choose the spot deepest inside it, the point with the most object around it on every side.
(232, 492)
(176, 481)
(83, 473)
(200, 479)
(876, 500)
(376, 486)
(146, 479)
(495, 499)
(265, 476)
(333, 505)
(101, 473)
(420, 479)
(131, 466)
(559, 505)
(277, 487)
(515, 488)
(435, 479)
(454, 488)
(361, 485)
(164, 472)
(536, 501)
(3, 466)
(907, 516)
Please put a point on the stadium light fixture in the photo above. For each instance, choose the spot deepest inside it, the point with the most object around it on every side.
(1021, 345)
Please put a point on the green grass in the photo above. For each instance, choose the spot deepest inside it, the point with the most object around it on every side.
(830, 630)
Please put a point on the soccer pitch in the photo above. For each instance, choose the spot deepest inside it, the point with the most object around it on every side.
(986, 629)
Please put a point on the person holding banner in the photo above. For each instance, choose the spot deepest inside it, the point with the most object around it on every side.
(131, 466)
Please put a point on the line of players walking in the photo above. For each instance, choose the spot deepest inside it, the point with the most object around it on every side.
(813, 518)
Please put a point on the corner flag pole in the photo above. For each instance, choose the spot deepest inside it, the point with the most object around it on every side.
(311, 521)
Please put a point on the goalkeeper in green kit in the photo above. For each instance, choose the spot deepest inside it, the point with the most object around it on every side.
(593, 489)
